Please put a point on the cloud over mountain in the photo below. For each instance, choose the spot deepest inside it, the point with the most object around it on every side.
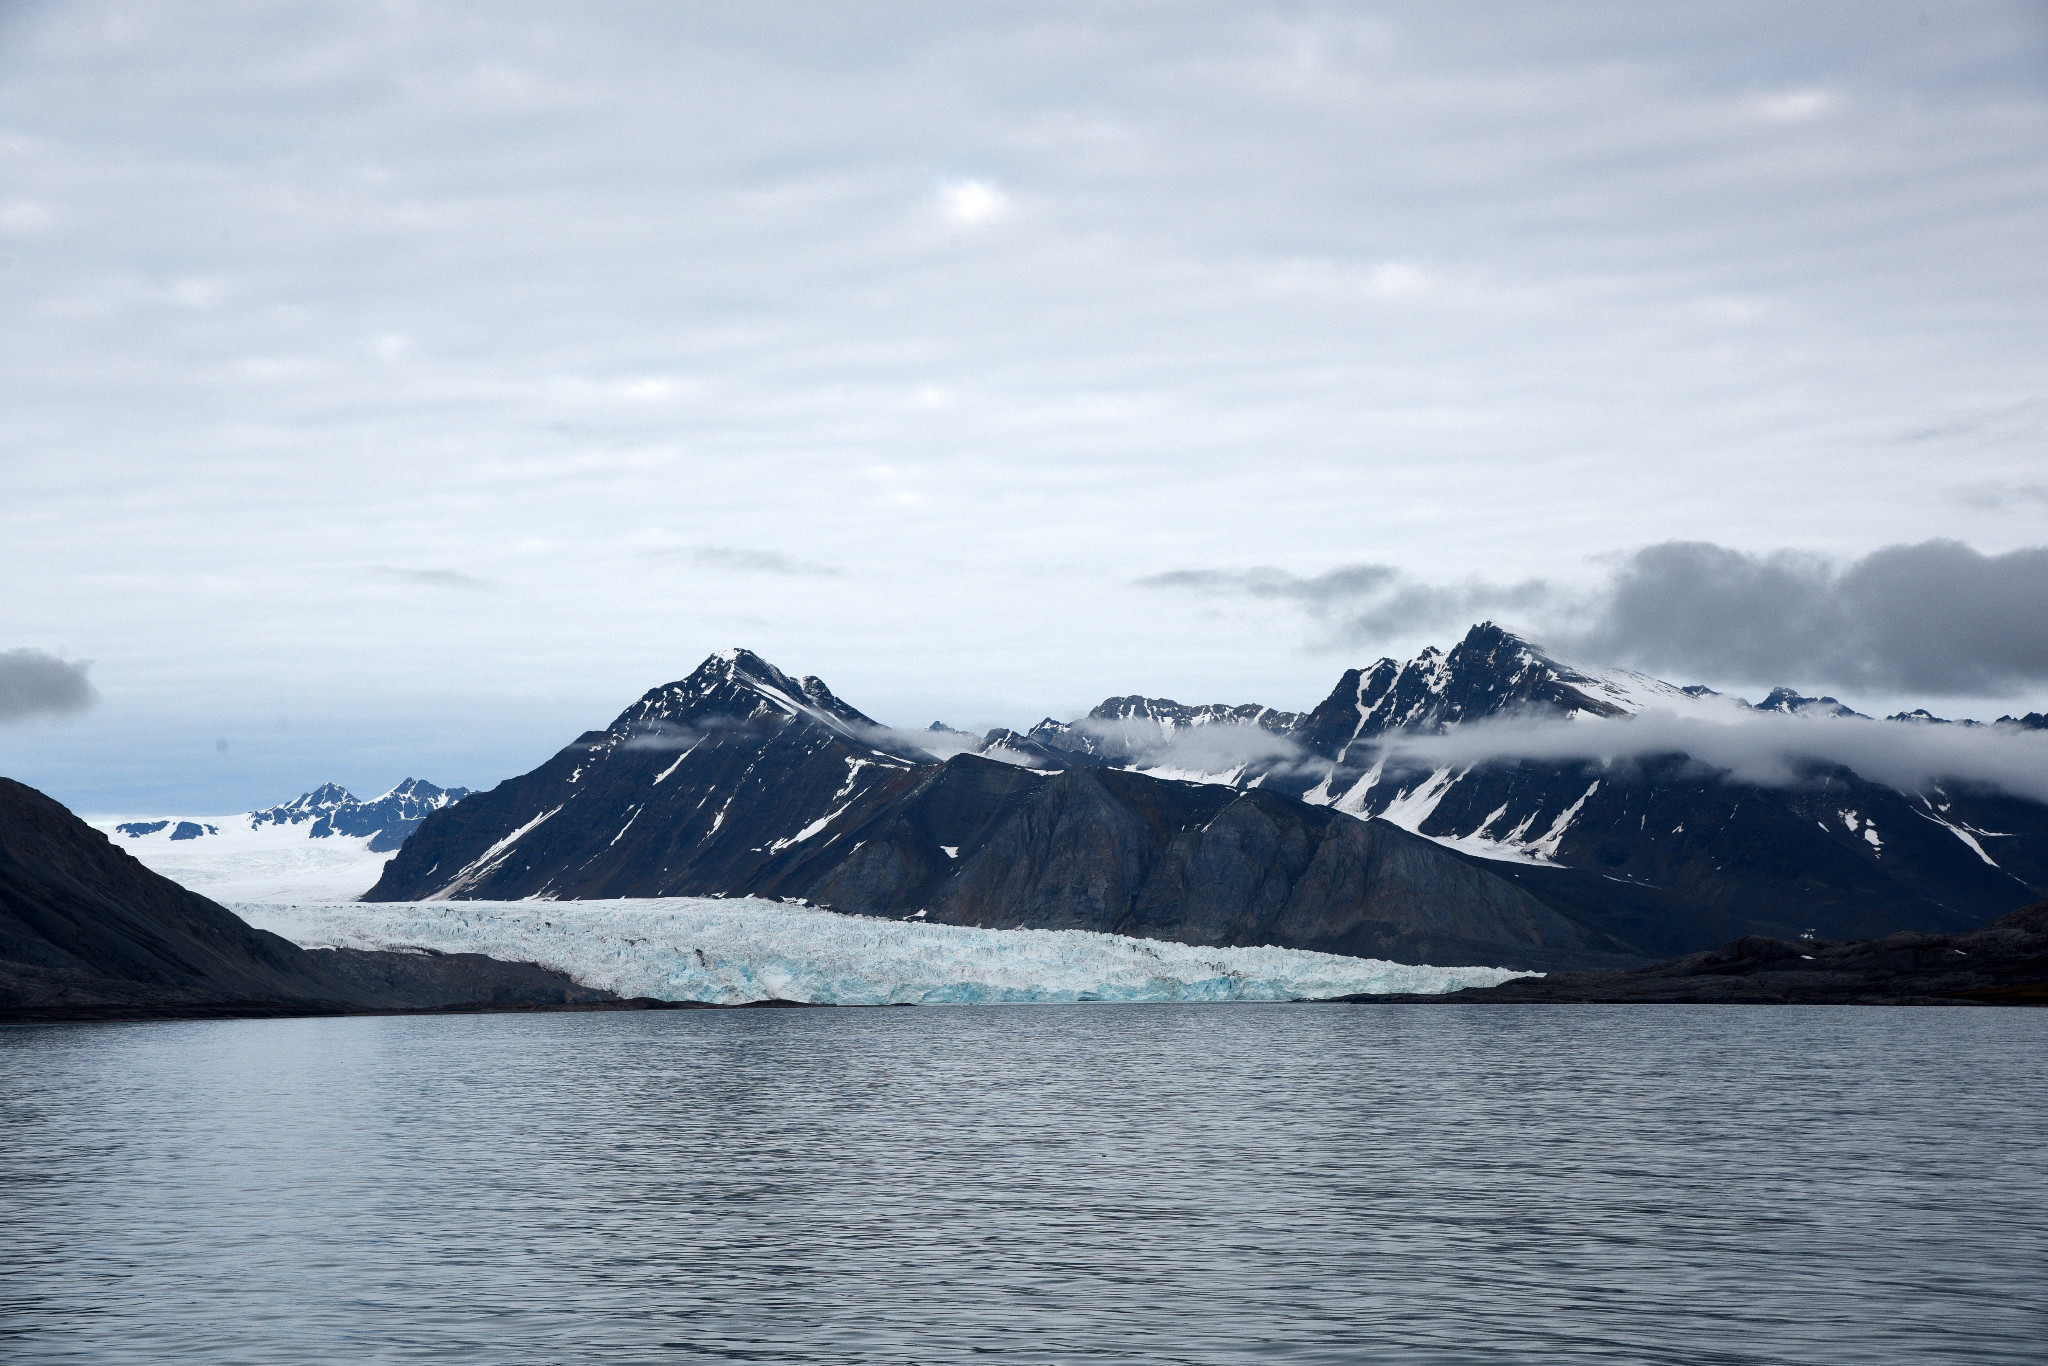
(1938, 617)
(1765, 748)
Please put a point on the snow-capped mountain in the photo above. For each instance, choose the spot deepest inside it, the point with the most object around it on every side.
(1126, 730)
(1336, 828)
(384, 821)
(1657, 851)
(739, 780)
(712, 780)
(324, 843)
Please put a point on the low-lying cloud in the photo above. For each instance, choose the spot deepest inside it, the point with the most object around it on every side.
(745, 561)
(433, 578)
(1764, 748)
(34, 684)
(1937, 618)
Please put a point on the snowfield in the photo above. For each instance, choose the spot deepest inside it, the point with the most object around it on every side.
(237, 863)
(744, 949)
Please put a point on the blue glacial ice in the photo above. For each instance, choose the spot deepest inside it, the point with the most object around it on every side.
(743, 949)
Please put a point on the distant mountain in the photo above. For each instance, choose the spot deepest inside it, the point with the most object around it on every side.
(739, 780)
(327, 810)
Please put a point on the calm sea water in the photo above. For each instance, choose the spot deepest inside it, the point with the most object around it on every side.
(1205, 1184)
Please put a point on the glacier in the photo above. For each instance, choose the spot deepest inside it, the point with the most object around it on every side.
(735, 950)
(244, 862)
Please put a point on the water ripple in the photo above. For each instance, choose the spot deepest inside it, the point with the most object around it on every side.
(1220, 1184)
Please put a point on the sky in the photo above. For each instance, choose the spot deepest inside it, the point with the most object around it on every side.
(396, 389)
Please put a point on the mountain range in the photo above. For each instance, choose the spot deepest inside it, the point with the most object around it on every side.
(326, 811)
(1244, 824)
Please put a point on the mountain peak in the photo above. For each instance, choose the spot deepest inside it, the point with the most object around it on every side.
(1791, 703)
(736, 684)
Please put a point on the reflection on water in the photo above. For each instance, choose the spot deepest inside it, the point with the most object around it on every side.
(1203, 1184)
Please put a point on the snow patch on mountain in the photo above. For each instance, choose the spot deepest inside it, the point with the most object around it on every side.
(745, 949)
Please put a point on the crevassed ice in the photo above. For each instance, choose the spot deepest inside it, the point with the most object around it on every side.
(743, 949)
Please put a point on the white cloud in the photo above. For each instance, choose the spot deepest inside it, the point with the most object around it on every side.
(1793, 106)
(26, 218)
(1399, 280)
(972, 203)
(1764, 748)
(1433, 300)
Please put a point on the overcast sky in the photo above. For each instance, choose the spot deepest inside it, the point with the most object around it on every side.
(400, 389)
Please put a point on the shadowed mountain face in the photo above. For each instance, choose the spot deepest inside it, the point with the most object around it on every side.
(82, 922)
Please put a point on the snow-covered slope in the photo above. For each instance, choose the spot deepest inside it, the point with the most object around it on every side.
(238, 862)
(324, 845)
(710, 949)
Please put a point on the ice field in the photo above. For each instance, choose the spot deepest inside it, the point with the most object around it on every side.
(237, 863)
(743, 949)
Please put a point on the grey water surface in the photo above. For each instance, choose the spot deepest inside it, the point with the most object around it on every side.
(1207, 1184)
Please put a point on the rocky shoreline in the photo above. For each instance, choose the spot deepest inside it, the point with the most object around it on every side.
(2003, 963)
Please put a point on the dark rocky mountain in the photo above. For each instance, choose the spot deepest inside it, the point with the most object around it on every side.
(186, 830)
(742, 781)
(1660, 854)
(739, 780)
(83, 923)
(2003, 963)
(86, 932)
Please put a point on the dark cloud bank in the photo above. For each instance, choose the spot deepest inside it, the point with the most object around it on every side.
(1937, 618)
(36, 684)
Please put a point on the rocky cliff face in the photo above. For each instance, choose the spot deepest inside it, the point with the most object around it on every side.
(722, 782)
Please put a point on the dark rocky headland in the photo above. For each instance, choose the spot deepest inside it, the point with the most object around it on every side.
(88, 933)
